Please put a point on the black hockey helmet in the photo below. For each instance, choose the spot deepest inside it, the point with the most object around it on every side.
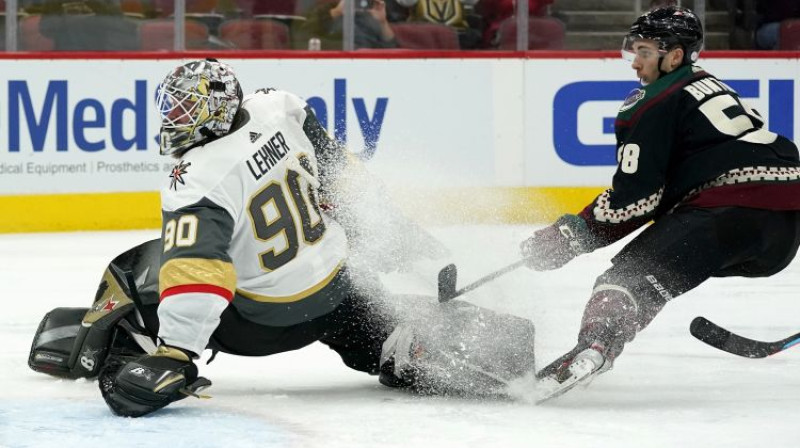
(670, 26)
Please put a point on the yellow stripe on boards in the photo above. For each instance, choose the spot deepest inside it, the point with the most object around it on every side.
(87, 211)
(496, 205)
(142, 210)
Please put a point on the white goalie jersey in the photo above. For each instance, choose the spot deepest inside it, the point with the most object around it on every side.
(242, 226)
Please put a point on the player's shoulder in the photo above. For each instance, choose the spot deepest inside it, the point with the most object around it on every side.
(272, 100)
(705, 85)
(665, 91)
(201, 171)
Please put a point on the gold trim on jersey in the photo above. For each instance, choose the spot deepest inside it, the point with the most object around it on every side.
(294, 297)
(195, 271)
(113, 298)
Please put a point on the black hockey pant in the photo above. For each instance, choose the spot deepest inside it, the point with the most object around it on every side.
(682, 250)
(356, 330)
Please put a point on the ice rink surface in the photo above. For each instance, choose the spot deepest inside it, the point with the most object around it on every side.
(667, 389)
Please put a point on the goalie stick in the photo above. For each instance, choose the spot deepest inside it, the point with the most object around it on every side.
(720, 338)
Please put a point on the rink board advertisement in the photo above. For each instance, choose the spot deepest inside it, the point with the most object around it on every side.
(480, 137)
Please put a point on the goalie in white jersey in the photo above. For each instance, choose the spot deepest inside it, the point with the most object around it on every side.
(250, 265)
(242, 226)
(241, 220)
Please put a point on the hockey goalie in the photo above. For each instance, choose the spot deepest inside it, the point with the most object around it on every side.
(250, 263)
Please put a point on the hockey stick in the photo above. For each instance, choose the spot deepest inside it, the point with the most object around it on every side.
(718, 337)
(448, 277)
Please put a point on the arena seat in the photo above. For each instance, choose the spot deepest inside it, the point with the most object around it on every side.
(159, 34)
(132, 8)
(251, 34)
(203, 11)
(790, 35)
(425, 36)
(544, 33)
(30, 39)
(272, 7)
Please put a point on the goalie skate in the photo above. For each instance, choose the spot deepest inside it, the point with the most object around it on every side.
(570, 371)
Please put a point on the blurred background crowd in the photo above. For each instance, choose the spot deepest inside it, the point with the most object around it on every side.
(474, 25)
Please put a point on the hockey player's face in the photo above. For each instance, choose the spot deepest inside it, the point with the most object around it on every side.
(182, 111)
(646, 57)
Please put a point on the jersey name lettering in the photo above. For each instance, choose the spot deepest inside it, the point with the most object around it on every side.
(706, 86)
(267, 156)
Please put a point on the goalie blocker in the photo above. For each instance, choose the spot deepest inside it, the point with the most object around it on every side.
(75, 342)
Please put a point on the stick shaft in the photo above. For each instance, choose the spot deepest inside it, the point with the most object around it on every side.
(489, 277)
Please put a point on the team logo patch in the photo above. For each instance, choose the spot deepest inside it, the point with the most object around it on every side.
(141, 372)
(441, 11)
(634, 97)
(110, 305)
(89, 359)
(107, 305)
(177, 174)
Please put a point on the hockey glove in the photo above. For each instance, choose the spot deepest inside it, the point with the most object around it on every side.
(557, 244)
(151, 382)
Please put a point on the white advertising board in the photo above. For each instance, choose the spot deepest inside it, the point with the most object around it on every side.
(570, 105)
(89, 126)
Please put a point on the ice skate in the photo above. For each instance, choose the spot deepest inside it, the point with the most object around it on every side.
(571, 370)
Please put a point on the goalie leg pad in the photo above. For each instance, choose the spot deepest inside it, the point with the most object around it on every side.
(65, 347)
(75, 342)
(458, 349)
(54, 341)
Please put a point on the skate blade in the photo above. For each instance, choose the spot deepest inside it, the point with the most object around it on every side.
(549, 387)
(194, 389)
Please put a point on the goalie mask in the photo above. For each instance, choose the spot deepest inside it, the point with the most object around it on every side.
(669, 27)
(197, 102)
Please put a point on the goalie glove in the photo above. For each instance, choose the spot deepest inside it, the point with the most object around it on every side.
(150, 382)
(555, 245)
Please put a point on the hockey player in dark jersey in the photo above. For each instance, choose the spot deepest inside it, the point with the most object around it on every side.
(248, 264)
(722, 191)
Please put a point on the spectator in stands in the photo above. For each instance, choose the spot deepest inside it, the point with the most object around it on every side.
(372, 29)
(86, 25)
(771, 13)
(494, 12)
(458, 14)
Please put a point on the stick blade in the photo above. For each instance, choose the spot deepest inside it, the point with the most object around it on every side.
(722, 339)
(447, 282)
(708, 332)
